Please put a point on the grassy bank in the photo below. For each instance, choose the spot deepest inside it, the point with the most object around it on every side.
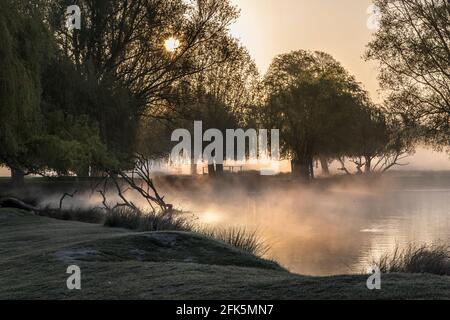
(119, 264)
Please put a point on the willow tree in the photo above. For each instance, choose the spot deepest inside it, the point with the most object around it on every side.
(310, 97)
(37, 134)
(24, 48)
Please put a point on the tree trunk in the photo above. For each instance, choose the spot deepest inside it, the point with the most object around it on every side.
(324, 165)
(342, 161)
(368, 165)
(83, 173)
(211, 170)
(311, 168)
(219, 169)
(17, 177)
(193, 169)
(301, 169)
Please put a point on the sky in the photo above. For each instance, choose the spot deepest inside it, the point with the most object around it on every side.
(339, 27)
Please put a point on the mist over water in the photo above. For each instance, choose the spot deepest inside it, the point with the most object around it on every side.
(331, 227)
(334, 229)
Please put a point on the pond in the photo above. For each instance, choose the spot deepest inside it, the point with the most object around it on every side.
(338, 229)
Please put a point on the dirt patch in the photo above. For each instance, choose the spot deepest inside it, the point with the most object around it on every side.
(70, 256)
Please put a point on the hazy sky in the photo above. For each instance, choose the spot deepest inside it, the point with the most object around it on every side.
(339, 27)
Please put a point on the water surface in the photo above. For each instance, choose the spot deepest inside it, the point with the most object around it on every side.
(333, 230)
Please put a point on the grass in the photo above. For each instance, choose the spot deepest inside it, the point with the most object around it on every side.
(432, 259)
(140, 221)
(92, 215)
(241, 238)
(124, 217)
(120, 264)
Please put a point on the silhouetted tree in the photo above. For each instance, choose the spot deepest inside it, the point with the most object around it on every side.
(310, 98)
(121, 46)
(379, 142)
(413, 49)
(221, 97)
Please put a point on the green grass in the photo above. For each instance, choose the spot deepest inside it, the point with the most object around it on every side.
(118, 264)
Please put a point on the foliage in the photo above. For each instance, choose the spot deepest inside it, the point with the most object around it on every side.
(318, 106)
(117, 71)
(23, 51)
(38, 132)
(412, 47)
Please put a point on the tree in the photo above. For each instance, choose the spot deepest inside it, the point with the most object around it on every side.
(221, 97)
(110, 112)
(121, 47)
(36, 134)
(24, 48)
(379, 142)
(310, 97)
(412, 47)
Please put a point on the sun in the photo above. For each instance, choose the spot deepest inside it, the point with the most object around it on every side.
(172, 44)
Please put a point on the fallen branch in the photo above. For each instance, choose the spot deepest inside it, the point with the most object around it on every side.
(17, 204)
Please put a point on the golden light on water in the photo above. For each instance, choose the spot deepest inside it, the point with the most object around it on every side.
(172, 44)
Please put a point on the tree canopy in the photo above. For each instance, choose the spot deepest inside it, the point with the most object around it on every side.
(412, 47)
(85, 101)
(315, 103)
(36, 138)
